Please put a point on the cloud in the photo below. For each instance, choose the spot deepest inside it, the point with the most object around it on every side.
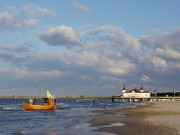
(124, 41)
(58, 68)
(81, 7)
(17, 19)
(117, 37)
(159, 62)
(169, 53)
(104, 28)
(99, 64)
(73, 61)
(31, 23)
(18, 56)
(60, 36)
(115, 67)
(145, 78)
(9, 22)
(19, 78)
(162, 40)
(162, 50)
(12, 49)
(35, 10)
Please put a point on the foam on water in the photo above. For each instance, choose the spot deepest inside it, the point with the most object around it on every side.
(86, 128)
(118, 124)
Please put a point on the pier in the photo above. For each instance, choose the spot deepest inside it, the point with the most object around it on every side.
(140, 99)
(67, 97)
(113, 98)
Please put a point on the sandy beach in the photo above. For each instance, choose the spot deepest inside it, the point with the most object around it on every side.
(156, 118)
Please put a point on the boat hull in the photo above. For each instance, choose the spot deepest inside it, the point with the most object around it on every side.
(29, 107)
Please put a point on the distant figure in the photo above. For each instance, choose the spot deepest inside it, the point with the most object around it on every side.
(31, 101)
(34, 101)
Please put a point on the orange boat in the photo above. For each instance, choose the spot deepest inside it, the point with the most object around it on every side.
(48, 104)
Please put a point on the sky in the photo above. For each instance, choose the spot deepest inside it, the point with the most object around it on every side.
(90, 48)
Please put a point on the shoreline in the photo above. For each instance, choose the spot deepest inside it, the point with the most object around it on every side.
(161, 117)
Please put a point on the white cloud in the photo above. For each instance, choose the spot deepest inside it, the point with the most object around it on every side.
(17, 19)
(145, 78)
(175, 65)
(15, 49)
(169, 53)
(81, 7)
(9, 22)
(162, 42)
(104, 28)
(115, 67)
(162, 50)
(124, 41)
(35, 10)
(96, 62)
(102, 62)
(60, 36)
(17, 73)
(117, 37)
(31, 23)
(159, 62)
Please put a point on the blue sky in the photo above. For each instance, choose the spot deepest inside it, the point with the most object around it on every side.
(89, 47)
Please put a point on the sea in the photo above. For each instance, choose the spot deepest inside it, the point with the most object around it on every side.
(70, 118)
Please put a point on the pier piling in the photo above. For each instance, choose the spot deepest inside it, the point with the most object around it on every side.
(123, 100)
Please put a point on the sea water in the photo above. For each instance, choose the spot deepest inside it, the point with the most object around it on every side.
(70, 118)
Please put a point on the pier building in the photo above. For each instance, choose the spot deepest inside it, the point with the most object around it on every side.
(135, 93)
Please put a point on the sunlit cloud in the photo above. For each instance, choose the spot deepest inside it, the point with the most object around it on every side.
(60, 36)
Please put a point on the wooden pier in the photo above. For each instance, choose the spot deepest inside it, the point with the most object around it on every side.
(40, 97)
(138, 99)
(113, 98)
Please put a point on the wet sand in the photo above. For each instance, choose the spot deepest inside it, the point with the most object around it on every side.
(157, 118)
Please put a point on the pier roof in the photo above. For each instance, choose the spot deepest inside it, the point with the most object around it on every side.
(136, 91)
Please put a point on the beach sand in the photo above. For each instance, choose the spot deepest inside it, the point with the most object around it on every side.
(157, 118)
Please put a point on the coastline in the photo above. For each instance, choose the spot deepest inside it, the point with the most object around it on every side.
(160, 117)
